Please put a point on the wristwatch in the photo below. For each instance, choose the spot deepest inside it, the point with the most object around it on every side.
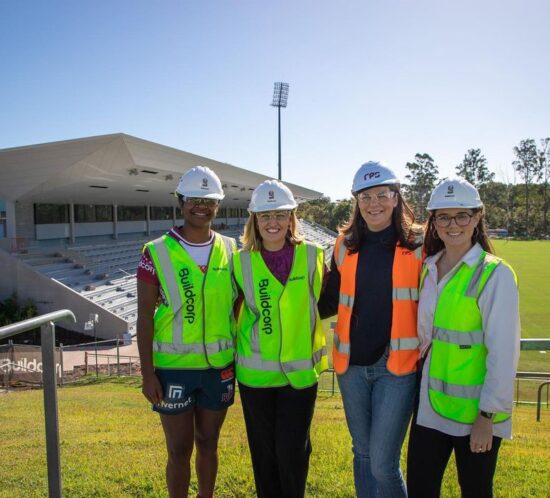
(488, 415)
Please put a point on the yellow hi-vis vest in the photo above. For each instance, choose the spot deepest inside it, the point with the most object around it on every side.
(457, 366)
(196, 330)
(280, 338)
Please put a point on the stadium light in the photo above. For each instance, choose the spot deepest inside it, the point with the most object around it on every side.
(280, 99)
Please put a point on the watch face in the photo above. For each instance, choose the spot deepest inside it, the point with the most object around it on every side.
(486, 414)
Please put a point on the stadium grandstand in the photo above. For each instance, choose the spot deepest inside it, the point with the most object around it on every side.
(75, 214)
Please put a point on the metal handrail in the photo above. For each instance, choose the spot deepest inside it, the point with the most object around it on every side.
(31, 323)
(47, 335)
(535, 344)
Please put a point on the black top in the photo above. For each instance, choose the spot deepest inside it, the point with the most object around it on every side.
(371, 318)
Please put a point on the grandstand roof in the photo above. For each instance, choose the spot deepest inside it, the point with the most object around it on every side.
(116, 168)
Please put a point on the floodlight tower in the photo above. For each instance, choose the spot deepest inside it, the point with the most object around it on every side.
(280, 99)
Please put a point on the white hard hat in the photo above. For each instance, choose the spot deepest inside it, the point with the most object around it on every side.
(271, 195)
(454, 193)
(373, 174)
(200, 181)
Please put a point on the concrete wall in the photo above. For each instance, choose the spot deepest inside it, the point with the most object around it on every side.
(24, 220)
(156, 225)
(50, 295)
(91, 229)
(53, 231)
(138, 227)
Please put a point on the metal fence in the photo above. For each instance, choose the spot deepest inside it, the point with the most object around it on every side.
(47, 333)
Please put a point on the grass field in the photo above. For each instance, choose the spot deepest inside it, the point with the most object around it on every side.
(531, 262)
(112, 447)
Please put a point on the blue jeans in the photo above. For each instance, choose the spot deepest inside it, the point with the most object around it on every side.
(378, 408)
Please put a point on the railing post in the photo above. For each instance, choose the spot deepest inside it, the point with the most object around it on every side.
(117, 356)
(47, 332)
(86, 361)
(61, 361)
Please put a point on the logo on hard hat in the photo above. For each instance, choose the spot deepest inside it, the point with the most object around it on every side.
(371, 175)
(204, 183)
(271, 196)
(450, 191)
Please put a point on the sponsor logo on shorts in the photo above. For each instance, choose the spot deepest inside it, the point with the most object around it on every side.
(175, 391)
(228, 396)
(175, 406)
(227, 374)
(174, 398)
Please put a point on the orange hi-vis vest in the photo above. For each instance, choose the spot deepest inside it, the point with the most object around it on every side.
(404, 341)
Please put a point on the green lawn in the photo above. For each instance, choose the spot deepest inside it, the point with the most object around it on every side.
(112, 447)
(531, 262)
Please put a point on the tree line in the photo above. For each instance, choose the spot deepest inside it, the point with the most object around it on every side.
(521, 208)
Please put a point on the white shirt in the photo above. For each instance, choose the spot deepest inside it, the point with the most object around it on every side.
(499, 307)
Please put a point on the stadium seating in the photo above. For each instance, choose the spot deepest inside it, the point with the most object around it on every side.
(104, 272)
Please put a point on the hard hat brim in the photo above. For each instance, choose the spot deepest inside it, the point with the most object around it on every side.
(284, 207)
(454, 205)
(201, 195)
(389, 181)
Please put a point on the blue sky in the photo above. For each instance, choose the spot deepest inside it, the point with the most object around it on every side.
(368, 79)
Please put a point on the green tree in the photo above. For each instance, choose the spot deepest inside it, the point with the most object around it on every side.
(474, 169)
(528, 167)
(14, 310)
(544, 167)
(422, 177)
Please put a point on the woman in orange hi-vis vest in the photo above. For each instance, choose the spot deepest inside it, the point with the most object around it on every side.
(373, 286)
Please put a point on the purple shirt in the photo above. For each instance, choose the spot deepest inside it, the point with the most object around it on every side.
(279, 262)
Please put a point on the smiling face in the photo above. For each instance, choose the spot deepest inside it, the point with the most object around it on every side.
(273, 227)
(199, 213)
(461, 223)
(376, 206)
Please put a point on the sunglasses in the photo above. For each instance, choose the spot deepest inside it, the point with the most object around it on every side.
(197, 201)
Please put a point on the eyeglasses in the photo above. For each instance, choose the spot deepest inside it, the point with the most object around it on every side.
(197, 201)
(279, 216)
(382, 196)
(461, 219)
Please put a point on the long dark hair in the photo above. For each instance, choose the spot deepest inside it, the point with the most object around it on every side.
(408, 233)
(433, 244)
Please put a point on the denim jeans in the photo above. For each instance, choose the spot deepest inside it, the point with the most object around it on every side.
(378, 407)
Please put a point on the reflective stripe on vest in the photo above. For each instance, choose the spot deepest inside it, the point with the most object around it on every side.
(211, 348)
(216, 353)
(404, 342)
(457, 367)
(456, 390)
(458, 338)
(341, 347)
(405, 294)
(173, 294)
(256, 363)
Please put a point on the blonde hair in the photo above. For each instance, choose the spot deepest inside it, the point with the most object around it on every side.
(252, 240)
